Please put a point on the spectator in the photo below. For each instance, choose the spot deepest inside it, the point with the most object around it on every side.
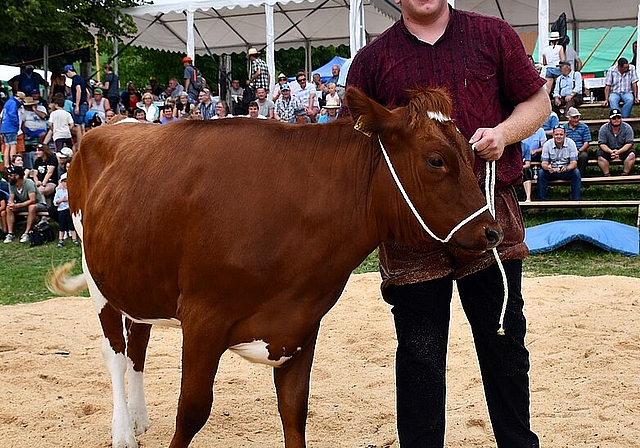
(534, 143)
(167, 115)
(634, 48)
(151, 111)
(319, 86)
(11, 125)
(335, 75)
(572, 57)
(616, 143)
(527, 172)
(79, 100)
(236, 92)
(621, 84)
(551, 123)
(183, 106)
(61, 124)
(206, 106)
(45, 171)
(156, 89)
(35, 95)
(140, 115)
(254, 111)
(175, 88)
(18, 160)
(189, 75)
(332, 96)
(282, 79)
(65, 155)
(552, 54)
(99, 103)
(111, 86)
(259, 72)
(195, 114)
(266, 106)
(93, 119)
(300, 116)
(559, 161)
(222, 111)
(306, 94)
(109, 116)
(568, 90)
(58, 85)
(331, 113)
(130, 99)
(286, 105)
(23, 197)
(35, 120)
(581, 136)
(28, 80)
(61, 201)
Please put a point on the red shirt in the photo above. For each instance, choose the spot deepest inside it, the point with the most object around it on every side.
(476, 57)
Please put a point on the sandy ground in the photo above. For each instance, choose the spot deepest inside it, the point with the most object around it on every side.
(584, 337)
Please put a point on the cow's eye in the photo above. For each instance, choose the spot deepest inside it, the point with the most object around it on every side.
(436, 162)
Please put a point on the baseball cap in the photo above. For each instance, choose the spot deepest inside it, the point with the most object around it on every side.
(285, 87)
(573, 112)
(13, 169)
(68, 67)
(300, 112)
(65, 152)
(186, 59)
(615, 113)
(63, 176)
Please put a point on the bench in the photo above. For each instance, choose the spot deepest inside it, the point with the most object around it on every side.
(594, 124)
(584, 204)
(601, 180)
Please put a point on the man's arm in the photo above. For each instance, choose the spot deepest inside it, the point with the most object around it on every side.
(526, 118)
(607, 91)
(634, 88)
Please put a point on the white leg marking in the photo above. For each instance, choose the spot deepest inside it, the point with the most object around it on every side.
(137, 402)
(122, 433)
(257, 352)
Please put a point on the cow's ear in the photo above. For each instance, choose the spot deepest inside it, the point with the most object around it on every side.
(369, 117)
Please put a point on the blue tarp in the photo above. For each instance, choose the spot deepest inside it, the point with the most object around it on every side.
(608, 235)
(325, 70)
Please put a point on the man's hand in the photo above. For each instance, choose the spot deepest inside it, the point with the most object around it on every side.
(488, 143)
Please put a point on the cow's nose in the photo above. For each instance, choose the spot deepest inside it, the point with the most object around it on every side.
(494, 236)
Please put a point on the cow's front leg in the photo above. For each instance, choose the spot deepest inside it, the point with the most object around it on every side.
(292, 388)
(137, 342)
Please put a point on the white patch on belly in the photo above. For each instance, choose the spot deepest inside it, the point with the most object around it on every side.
(257, 352)
(163, 322)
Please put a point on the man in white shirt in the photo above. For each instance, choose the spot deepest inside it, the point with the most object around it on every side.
(306, 94)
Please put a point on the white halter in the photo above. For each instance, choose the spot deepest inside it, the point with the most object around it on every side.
(489, 186)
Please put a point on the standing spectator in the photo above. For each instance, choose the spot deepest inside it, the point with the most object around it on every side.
(236, 93)
(206, 106)
(190, 74)
(23, 197)
(99, 103)
(266, 106)
(111, 87)
(60, 124)
(286, 105)
(319, 86)
(581, 136)
(616, 143)
(498, 100)
(568, 90)
(79, 99)
(58, 85)
(559, 161)
(552, 54)
(61, 201)
(10, 125)
(621, 84)
(28, 80)
(527, 173)
(259, 72)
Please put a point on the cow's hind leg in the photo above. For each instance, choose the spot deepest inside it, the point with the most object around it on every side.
(113, 350)
(201, 352)
(292, 387)
(137, 342)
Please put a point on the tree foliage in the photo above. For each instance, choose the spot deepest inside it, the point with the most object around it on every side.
(63, 25)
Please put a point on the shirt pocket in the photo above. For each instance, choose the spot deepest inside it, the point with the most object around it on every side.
(483, 105)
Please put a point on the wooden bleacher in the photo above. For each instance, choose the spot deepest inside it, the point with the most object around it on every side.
(583, 204)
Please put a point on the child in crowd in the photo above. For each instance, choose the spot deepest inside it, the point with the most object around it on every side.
(60, 124)
(332, 97)
(61, 200)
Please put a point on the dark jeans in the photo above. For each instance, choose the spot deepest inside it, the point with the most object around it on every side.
(422, 314)
(545, 176)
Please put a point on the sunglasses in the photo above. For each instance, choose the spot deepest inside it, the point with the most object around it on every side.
(302, 80)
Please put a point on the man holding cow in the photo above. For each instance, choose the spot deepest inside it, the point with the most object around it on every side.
(498, 100)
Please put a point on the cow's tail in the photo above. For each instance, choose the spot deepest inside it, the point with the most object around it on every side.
(59, 282)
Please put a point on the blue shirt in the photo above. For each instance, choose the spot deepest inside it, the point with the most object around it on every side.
(580, 135)
(566, 85)
(11, 116)
(559, 156)
(551, 122)
(534, 141)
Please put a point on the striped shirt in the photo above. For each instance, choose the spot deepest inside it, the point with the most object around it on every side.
(580, 135)
(621, 82)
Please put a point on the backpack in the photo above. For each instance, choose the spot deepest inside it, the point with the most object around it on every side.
(41, 233)
(198, 82)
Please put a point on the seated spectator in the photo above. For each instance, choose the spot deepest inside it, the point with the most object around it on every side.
(45, 171)
(254, 111)
(332, 96)
(331, 113)
(265, 105)
(552, 54)
(206, 106)
(167, 115)
(35, 95)
(93, 119)
(527, 173)
(152, 113)
(320, 87)
(621, 84)
(616, 143)
(99, 104)
(306, 94)
(109, 116)
(183, 106)
(222, 111)
(551, 123)
(23, 197)
(130, 99)
(140, 115)
(568, 90)
(533, 144)
(195, 114)
(282, 79)
(286, 105)
(61, 124)
(61, 201)
(236, 93)
(64, 160)
(18, 160)
(35, 120)
(300, 116)
(581, 135)
(174, 88)
(559, 161)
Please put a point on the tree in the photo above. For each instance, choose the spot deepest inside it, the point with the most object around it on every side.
(61, 24)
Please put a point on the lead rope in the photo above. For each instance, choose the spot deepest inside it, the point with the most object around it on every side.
(489, 186)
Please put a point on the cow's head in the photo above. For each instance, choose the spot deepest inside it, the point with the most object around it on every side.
(434, 162)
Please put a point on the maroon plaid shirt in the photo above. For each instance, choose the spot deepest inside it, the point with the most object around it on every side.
(476, 57)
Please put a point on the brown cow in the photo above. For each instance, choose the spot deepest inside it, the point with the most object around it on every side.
(244, 233)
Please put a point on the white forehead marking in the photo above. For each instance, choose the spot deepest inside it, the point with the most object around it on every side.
(438, 116)
(257, 352)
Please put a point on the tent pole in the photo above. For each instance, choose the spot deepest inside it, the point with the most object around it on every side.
(271, 53)
(543, 26)
(190, 37)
